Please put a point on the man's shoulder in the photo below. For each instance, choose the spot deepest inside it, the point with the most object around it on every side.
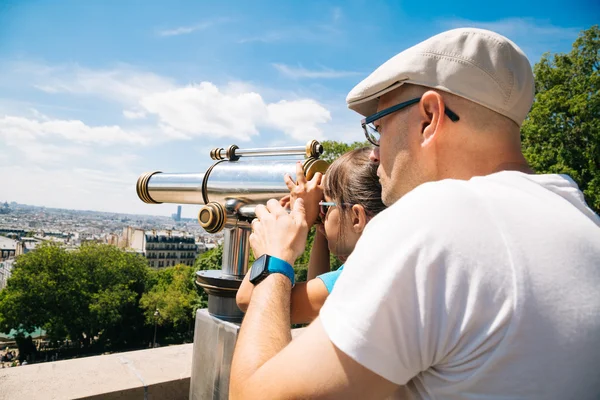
(456, 194)
(439, 212)
(453, 202)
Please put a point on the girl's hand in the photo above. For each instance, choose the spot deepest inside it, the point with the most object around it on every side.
(311, 192)
(285, 202)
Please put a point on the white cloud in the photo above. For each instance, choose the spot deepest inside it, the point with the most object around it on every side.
(269, 37)
(236, 110)
(184, 30)
(319, 33)
(75, 131)
(124, 85)
(131, 114)
(300, 72)
(76, 164)
(298, 118)
(77, 188)
(47, 154)
(204, 110)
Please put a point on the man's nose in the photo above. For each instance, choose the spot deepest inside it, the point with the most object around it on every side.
(374, 155)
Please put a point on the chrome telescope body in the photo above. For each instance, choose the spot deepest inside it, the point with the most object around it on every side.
(252, 180)
(230, 189)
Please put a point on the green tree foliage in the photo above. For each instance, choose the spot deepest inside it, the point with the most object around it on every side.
(92, 292)
(174, 294)
(333, 149)
(562, 131)
(211, 259)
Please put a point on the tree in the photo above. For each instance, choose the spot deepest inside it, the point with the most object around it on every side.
(333, 149)
(174, 294)
(92, 292)
(211, 259)
(562, 131)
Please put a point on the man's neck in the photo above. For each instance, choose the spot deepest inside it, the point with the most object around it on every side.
(466, 172)
(514, 166)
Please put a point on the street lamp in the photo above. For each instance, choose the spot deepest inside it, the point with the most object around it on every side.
(156, 315)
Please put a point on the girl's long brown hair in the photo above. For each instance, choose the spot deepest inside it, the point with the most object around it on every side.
(352, 179)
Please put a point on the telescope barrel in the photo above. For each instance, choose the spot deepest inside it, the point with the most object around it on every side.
(251, 180)
(158, 187)
(247, 179)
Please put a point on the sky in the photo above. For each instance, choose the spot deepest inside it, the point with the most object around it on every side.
(94, 93)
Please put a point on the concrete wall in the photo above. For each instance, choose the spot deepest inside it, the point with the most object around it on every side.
(162, 373)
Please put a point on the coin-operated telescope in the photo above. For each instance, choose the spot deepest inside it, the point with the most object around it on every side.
(229, 190)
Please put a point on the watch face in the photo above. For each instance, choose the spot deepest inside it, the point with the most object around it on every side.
(258, 268)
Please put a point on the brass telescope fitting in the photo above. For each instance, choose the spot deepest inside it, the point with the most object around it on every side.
(312, 165)
(212, 217)
(314, 149)
(142, 187)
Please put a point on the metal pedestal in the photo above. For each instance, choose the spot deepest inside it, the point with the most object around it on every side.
(214, 342)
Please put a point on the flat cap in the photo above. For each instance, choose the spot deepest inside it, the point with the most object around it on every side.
(476, 64)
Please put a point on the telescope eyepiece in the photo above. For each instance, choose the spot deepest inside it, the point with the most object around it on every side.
(212, 217)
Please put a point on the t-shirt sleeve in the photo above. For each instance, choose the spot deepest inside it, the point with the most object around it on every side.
(410, 297)
(330, 278)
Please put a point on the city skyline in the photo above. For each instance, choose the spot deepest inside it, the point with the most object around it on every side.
(61, 209)
(94, 94)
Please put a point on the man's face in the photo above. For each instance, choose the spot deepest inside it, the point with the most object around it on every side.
(399, 154)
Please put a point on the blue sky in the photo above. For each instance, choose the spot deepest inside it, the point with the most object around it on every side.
(93, 93)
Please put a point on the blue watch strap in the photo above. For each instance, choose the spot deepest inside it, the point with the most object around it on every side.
(279, 266)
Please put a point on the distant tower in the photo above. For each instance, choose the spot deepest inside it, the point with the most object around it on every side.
(178, 213)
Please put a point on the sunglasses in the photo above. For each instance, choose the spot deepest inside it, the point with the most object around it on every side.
(372, 132)
(324, 206)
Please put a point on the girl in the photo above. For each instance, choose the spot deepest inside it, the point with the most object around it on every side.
(352, 197)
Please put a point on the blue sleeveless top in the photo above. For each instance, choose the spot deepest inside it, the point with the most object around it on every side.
(329, 278)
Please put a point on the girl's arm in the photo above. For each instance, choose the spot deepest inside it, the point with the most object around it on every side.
(307, 298)
(319, 255)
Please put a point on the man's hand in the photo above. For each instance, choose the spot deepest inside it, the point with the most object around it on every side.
(311, 192)
(277, 233)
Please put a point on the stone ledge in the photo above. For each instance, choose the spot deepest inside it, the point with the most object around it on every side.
(162, 373)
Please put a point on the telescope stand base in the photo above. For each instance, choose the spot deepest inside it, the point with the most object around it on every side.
(221, 290)
(214, 342)
(224, 308)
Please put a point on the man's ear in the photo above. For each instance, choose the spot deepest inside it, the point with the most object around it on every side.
(431, 109)
(359, 218)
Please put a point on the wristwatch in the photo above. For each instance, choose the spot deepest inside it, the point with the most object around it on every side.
(266, 265)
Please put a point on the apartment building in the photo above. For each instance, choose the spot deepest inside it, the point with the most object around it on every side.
(161, 248)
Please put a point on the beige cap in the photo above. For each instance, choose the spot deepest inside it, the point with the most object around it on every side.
(479, 65)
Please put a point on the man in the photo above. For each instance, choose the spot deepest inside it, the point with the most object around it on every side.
(479, 281)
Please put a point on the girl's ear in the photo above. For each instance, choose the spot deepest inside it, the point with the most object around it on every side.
(359, 218)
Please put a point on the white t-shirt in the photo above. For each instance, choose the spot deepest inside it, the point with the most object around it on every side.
(479, 289)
